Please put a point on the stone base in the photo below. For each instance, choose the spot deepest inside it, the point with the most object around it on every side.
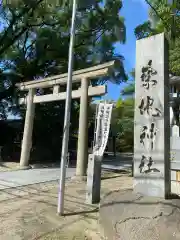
(79, 178)
(93, 179)
(24, 167)
(126, 215)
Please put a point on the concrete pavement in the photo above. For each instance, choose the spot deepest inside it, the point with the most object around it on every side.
(30, 212)
(32, 176)
(117, 166)
(129, 216)
(122, 161)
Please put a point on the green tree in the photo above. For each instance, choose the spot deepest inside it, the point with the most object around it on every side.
(129, 89)
(124, 115)
(175, 58)
(42, 50)
(164, 17)
(125, 124)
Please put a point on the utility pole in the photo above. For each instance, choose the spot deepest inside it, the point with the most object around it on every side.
(64, 154)
(65, 141)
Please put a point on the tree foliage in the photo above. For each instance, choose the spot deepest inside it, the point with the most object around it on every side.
(164, 17)
(129, 89)
(175, 58)
(35, 40)
(34, 44)
(125, 124)
(124, 115)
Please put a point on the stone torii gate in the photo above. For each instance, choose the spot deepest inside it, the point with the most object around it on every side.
(83, 93)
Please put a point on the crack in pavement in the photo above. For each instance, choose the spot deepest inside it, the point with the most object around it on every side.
(135, 218)
(149, 218)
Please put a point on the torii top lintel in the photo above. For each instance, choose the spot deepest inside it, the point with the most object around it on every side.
(88, 73)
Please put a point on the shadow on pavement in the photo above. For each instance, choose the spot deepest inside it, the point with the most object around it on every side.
(82, 212)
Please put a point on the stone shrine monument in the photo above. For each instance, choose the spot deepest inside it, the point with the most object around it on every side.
(152, 118)
(144, 212)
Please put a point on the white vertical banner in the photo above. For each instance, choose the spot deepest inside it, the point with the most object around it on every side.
(102, 128)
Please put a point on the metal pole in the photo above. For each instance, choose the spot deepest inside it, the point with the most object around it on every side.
(67, 115)
(173, 24)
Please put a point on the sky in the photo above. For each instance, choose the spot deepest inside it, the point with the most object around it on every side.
(135, 12)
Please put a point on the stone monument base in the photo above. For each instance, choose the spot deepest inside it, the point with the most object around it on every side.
(126, 215)
(93, 179)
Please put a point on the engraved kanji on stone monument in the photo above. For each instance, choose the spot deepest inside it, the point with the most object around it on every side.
(147, 73)
(146, 165)
(147, 106)
(146, 162)
(148, 134)
(147, 138)
(151, 125)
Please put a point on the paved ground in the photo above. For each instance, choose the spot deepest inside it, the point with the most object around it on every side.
(126, 215)
(117, 164)
(32, 176)
(29, 212)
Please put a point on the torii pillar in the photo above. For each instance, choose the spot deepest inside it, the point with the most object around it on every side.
(28, 129)
(82, 154)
